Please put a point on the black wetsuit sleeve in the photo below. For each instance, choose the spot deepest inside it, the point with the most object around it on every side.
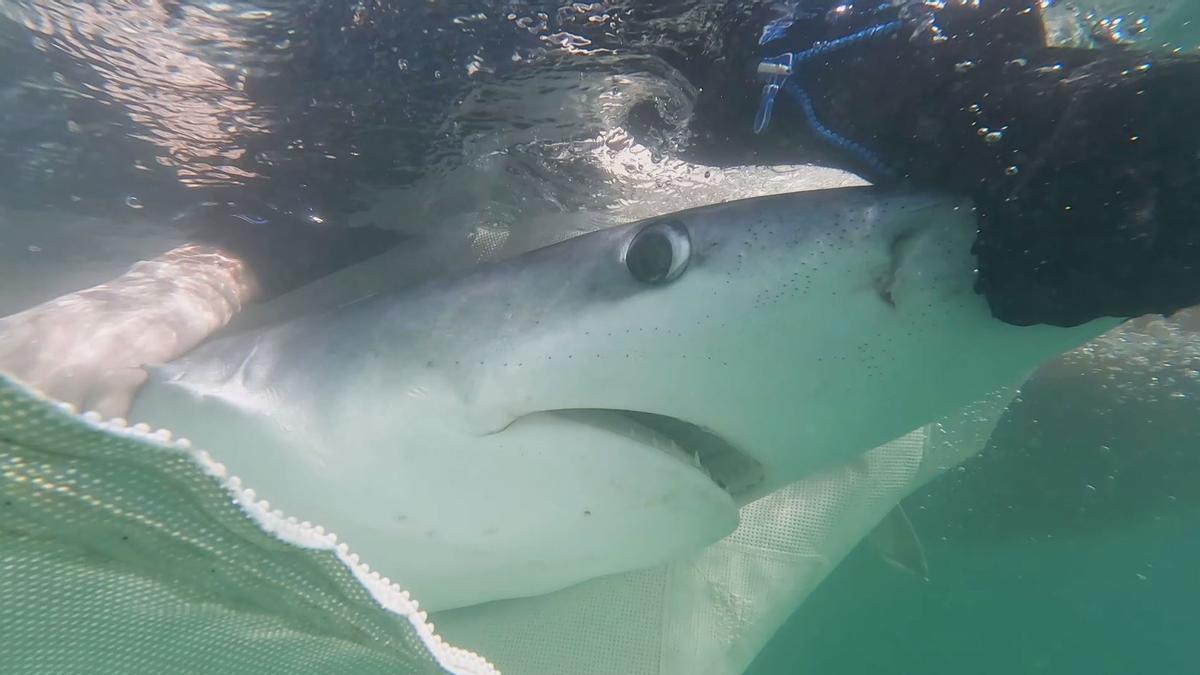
(1084, 163)
(1099, 214)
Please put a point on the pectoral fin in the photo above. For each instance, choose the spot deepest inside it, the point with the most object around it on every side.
(896, 541)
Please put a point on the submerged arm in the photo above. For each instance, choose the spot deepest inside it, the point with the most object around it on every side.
(88, 348)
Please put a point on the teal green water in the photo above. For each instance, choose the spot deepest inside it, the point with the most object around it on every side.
(1070, 606)
(1070, 546)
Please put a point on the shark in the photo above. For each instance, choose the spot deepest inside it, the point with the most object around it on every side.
(608, 402)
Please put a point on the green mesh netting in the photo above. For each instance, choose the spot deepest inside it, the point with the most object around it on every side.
(123, 552)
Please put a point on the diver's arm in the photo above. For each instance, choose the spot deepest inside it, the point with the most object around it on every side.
(87, 348)
(1083, 163)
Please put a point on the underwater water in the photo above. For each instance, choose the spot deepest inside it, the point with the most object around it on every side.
(1119, 602)
(1068, 545)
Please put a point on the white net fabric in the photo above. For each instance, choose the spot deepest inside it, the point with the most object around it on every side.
(711, 614)
(123, 552)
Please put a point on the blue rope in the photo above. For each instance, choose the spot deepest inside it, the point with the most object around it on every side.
(781, 68)
(823, 48)
(863, 153)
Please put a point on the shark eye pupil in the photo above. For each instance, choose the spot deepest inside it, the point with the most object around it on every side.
(658, 253)
(649, 259)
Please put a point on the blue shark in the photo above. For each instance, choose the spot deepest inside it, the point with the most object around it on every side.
(608, 402)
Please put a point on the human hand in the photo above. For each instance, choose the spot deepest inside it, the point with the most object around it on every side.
(88, 348)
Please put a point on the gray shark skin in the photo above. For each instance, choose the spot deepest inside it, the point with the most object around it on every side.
(606, 403)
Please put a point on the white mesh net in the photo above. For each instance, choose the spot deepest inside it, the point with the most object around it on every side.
(711, 614)
(121, 551)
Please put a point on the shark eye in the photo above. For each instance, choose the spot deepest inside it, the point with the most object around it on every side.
(659, 252)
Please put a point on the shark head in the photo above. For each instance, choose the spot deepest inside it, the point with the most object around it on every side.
(608, 402)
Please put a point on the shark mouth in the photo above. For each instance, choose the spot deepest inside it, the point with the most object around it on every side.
(732, 469)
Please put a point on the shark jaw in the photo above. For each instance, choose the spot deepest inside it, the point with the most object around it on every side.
(729, 467)
(606, 403)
